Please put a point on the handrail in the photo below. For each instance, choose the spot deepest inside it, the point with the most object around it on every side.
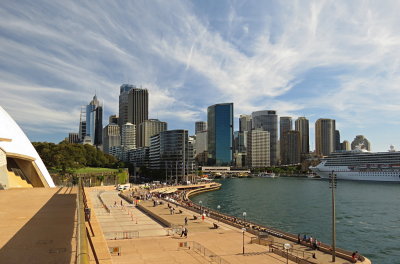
(83, 251)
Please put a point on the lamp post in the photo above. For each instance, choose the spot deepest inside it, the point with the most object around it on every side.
(287, 246)
(332, 186)
(244, 216)
(218, 208)
(243, 231)
(201, 207)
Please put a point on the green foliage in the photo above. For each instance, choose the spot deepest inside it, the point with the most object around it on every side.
(66, 157)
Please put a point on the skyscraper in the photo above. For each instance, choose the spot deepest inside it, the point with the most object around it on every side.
(267, 120)
(149, 128)
(302, 126)
(244, 123)
(285, 125)
(220, 134)
(258, 148)
(338, 146)
(133, 104)
(291, 141)
(94, 121)
(113, 119)
(345, 145)
(111, 137)
(128, 139)
(82, 124)
(200, 126)
(325, 136)
(123, 103)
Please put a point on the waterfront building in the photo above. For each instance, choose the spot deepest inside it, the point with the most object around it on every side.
(113, 119)
(245, 123)
(94, 121)
(140, 157)
(73, 138)
(258, 149)
(267, 120)
(302, 126)
(338, 146)
(345, 145)
(149, 128)
(285, 125)
(128, 139)
(220, 134)
(325, 136)
(111, 137)
(361, 142)
(292, 146)
(171, 149)
(240, 160)
(20, 164)
(200, 126)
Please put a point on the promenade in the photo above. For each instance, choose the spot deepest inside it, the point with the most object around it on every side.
(143, 240)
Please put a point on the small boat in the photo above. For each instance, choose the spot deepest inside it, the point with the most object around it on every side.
(267, 175)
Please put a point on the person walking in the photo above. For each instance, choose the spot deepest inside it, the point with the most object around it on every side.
(186, 232)
(186, 220)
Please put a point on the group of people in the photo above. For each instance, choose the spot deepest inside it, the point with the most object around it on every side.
(315, 244)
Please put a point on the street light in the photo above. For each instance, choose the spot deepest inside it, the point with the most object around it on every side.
(218, 208)
(243, 231)
(287, 246)
(332, 185)
(201, 207)
(244, 216)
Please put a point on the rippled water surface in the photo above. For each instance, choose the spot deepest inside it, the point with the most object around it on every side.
(368, 215)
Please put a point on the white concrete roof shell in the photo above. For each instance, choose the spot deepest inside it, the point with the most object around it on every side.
(19, 144)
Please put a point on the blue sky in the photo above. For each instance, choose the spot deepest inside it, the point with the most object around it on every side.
(319, 59)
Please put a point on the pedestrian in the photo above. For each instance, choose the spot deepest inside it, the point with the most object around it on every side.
(186, 232)
(115, 203)
(202, 217)
(173, 210)
(186, 220)
(313, 256)
(298, 238)
(183, 231)
(121, 202)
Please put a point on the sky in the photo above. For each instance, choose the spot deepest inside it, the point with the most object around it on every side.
(318, 59)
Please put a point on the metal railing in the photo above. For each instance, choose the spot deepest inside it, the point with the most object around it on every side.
(118, 235)
(82, 248)
(203, 251)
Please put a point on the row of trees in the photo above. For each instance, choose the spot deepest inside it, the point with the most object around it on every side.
(65, 157)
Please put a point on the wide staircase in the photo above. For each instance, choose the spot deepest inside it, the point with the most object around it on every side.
(16, 178)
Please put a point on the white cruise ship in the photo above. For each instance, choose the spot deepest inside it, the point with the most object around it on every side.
(361, 165)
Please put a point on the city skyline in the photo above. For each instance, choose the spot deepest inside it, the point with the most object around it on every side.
(301, 60)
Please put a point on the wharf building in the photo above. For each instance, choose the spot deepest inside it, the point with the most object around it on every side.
(292, 147)
(128, 140)
(258, 149)
(302, 126)
(361, 142)
(111, 137)
(325, 136)
(285, 125)
(140, 157)
(200, 126)
(267, 120)
(220, 134)
(171, 151)
(94, 122)
(149, 128)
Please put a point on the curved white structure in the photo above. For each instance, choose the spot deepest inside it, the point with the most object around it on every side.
(18, 157)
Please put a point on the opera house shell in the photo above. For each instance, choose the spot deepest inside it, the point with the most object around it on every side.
(20, 164)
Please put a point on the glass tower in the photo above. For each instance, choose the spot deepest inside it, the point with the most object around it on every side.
(220, 134)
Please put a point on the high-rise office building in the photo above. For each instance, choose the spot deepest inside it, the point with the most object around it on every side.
(267, 120)
(220, 134)
(149, 128)
(82, 124)
(133, 104)
(111, 137)
(292, 146)
(361, 142)
(113, 119)
(345, 145)
(338, 146)
(325, 136)
(285, 125)
(128, 139)
(94, 121)
(201, 142)
(73, 138)
(244, 123)
(123, 103)
(302, 126)
(200, 126)
(258, 148)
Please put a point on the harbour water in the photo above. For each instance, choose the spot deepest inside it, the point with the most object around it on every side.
(367, 213)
